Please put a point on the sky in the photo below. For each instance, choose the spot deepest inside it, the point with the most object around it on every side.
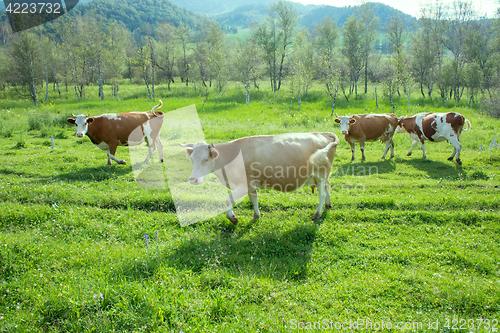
(411, 7)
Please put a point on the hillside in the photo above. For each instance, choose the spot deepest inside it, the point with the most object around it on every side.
(340, 15)
(135, 13)
(309, 16)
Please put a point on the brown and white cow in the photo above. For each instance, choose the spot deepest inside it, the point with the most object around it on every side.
(368, 128)
(282, 162)
(435, 127)
(108, 131)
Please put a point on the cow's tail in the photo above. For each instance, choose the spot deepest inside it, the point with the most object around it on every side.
(157, 114)
(468, 125)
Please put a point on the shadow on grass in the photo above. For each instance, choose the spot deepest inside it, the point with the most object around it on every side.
(282, 256)
(99, 173)
(436, 169)
(361, 169)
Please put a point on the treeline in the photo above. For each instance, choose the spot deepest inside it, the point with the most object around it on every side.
(450, 55)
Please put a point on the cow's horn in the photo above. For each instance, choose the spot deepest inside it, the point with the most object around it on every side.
(73, 114)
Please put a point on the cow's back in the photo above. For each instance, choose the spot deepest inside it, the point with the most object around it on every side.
(436, 126)
(281, 160)
(110, 127)
(373, 127)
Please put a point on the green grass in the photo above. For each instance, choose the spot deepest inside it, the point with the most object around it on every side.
(407, 239)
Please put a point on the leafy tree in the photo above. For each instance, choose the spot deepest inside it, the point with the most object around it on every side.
(353, 49)
(301, 67)
(25, 63)
(246, 64)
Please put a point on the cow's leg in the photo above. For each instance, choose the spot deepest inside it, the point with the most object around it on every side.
(238, 192)
(362, 148)
(254, 199)
(423, 149)
(328, 203)
(392, 148)
(322, 196)
(411, 148)
(457, 147)
(388, 144)
(352, 149)
(160, 148)
(150, 153)
(111, 155)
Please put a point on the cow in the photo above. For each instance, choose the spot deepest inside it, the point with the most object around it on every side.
(108, 131)
(435, 127)
(368, 128)
(282, 162)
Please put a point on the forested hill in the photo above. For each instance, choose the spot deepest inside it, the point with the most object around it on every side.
(138, 13)
(310, 16)
(340, 15)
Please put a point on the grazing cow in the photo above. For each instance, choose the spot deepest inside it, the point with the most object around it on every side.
(282, 162)
(368, 127)
(108, 131)
(435, 127)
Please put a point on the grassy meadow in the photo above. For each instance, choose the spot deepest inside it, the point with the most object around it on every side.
(408, 242)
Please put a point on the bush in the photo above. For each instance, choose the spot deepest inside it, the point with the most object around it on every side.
(491, 106)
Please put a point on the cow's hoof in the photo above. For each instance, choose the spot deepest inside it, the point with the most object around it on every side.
(255, 218)
(233, 220)
(328, 206)
(459, 162)
(161, 161)
(409, 154)
(316, 216)
(451, 159)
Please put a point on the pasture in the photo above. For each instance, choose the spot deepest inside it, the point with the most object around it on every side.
(408, 240)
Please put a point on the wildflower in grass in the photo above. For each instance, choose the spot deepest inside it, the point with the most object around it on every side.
(146, 240)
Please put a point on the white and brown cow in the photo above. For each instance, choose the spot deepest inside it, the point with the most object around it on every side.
(435, 127)
(368, 128)
(108, 131)
(283, 162)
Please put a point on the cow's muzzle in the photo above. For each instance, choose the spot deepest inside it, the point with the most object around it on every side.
(195, 181)
(344, 132)
(79, 135)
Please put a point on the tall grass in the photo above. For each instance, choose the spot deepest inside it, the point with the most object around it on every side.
(407, 239)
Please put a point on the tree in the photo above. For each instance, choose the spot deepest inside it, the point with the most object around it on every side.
(182, 34)
(370, 23)
(246, 64)
(26, 64)
(456, 33)
(301, 69)
(166, 35)
(353, 48)
(274, 36)
(329, 73)
(116, 43)
(286, 23)
(480, 50)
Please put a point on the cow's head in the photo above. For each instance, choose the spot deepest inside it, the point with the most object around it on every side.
(81, 123)
(403, 124)
(344, 122)
(203, 156)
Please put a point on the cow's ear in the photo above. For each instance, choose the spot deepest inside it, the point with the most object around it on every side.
(214, 153)
(352, 121)
(71, 121)
(89, 120)
(337, 120)
(189, 151)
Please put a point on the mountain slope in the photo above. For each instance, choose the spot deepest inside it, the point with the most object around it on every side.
(137, 13)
